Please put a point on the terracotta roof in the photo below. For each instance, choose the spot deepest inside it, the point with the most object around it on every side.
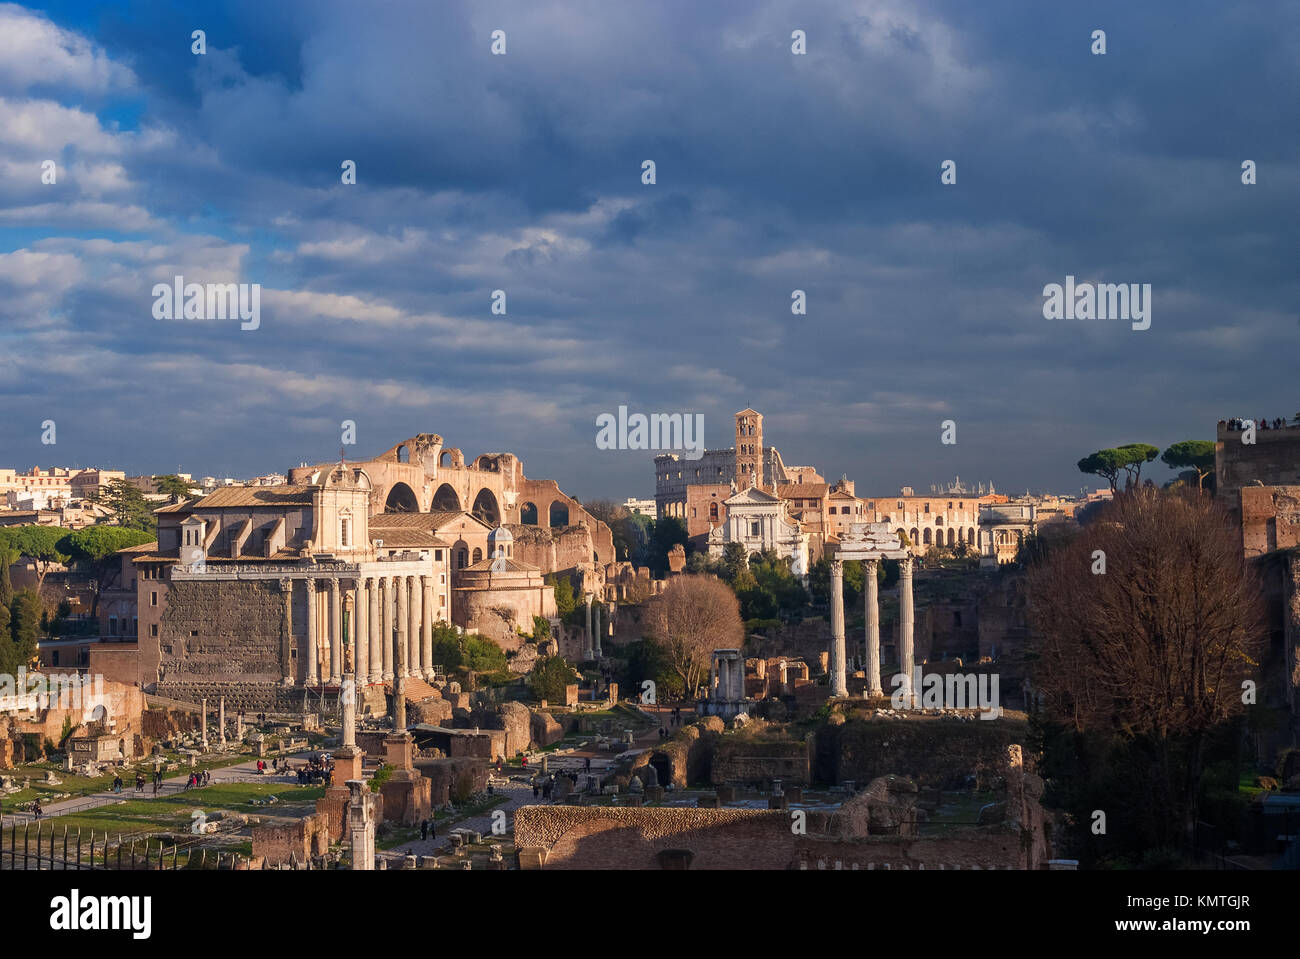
(802, 490)
(428, 521)
(234, 496)
(396, 536)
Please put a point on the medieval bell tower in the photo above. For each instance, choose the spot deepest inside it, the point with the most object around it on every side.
(749, 449)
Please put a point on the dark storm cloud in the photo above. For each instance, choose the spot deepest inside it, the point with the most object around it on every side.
(522, 173)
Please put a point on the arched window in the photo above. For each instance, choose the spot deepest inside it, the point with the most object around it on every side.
(559, 514)
(926, 534)
(478, 555)
(462, 558)
(528, 514)
(713, 512)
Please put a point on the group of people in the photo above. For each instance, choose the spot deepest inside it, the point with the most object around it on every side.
(318, 769)
(1238, 423)
(427, 829)
(203, 778)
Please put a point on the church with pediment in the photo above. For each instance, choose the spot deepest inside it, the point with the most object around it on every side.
(759, 521)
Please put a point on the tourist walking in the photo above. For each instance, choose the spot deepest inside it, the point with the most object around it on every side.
(424, 829)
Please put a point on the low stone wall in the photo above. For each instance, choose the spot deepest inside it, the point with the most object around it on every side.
(300, 840)
(602, 837)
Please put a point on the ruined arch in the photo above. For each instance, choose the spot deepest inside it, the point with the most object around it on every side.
(401, 499)
(403, 454)
(445, 500)
(528, 514)
(485, 507)
(558, 514)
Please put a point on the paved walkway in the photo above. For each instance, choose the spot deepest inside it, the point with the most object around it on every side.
(238, 772)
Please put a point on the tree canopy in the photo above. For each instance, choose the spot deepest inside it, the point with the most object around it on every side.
(1197, 455)
(94, 550)
(1128, 459)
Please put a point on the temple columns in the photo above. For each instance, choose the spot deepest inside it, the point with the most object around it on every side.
(375, 632)
(870, 574)
(361, 629)
(286, 633)
(313, 667)
(336, 632)
(386, 627)
(403, 614)
(426, 627)
(415, 596)
(839, 686)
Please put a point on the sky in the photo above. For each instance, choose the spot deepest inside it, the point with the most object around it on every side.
(523, 172)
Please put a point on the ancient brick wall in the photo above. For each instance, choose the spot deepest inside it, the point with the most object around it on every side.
(301, 839)
(602, 837)
(1270, 518)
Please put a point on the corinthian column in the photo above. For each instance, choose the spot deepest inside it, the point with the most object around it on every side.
(286, 633)
(336, 633)
(426, 627)
(399, 665)
(313, 669)
(386, 627)
(906, 621)
(839, 687)
(375, 632)
(872, 610)
(361, 630)
(415, 598)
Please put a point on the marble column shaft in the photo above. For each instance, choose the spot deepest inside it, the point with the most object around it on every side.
(870, 575)
(839, 686)
(361, 630)
(313, 671)
(403, 614)
(336, 632)
(426, 630)
(386, 624)
(375, 632)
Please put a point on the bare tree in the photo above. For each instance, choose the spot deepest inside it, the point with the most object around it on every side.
(694, 615)
(1149, 621)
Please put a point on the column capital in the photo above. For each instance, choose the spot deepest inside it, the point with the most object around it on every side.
(905, 565)
(870, 564)
(837, 567)
(286, 584)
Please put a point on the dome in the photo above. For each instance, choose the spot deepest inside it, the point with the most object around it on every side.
(499, 537)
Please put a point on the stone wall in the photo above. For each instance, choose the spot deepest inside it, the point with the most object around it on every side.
(453, 779)
(228, 631)
(300, 840)
(1270, 518)
(1273, 459)
(602, 837)
(933, 752)
(759, 761)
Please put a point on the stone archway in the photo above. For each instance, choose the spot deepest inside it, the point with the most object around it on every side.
(401, 499)
(558, 515)
(528, 514)
(445, 500)
(485, 507)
